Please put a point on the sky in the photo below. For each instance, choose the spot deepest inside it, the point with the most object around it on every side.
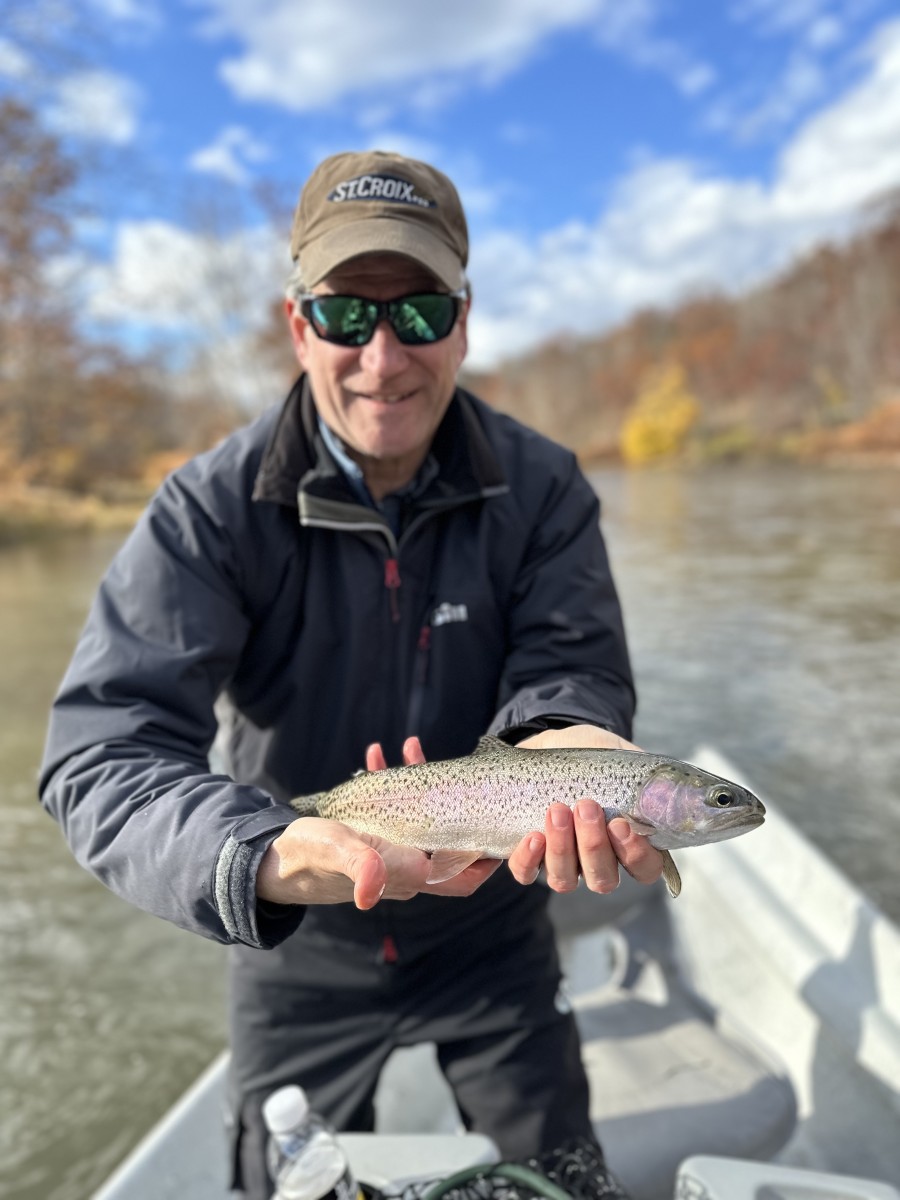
(611, 154)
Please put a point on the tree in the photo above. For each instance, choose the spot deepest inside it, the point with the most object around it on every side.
(661, 417)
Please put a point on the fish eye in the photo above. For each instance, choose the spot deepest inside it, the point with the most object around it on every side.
(722, 797)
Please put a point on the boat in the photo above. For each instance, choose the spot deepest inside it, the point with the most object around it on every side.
(742, 1041)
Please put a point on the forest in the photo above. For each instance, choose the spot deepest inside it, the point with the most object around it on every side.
(805, 365)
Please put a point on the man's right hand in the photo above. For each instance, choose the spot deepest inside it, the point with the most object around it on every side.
(316, 861)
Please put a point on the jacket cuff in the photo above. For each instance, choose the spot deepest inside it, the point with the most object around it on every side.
(245, 917)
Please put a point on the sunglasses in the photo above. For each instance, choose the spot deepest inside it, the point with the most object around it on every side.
(417, 320)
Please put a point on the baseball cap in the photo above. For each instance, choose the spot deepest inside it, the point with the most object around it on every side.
(375, 201)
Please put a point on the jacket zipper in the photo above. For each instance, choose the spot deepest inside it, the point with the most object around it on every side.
(420, 677)
(392, 583)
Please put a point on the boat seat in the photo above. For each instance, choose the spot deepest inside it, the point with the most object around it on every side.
(668, 1080)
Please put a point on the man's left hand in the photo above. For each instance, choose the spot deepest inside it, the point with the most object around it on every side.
(578, 841)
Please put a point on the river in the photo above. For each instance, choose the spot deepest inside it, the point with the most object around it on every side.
(763, 612)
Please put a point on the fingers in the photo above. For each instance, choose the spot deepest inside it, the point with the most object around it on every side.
(596, 853)
(525, 861)
(412, 752)
(576, 735)
(369, 876)
(375, 760)
(641, 860)
(579, 842)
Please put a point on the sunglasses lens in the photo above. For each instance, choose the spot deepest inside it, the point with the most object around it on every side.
(351, 320)
(420, 319)
(347, 320)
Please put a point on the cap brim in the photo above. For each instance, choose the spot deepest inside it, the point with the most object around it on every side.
(381, 235)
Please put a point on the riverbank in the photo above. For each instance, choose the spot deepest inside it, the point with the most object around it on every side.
(28, 513)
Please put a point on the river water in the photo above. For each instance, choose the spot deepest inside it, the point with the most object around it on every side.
(763, 611)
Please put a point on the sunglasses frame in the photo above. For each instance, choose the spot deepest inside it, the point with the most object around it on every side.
(385, 310)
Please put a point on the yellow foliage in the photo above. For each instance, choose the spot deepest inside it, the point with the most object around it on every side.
(661, 417)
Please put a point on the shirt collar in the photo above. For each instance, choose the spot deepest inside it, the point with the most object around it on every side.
(356, 479)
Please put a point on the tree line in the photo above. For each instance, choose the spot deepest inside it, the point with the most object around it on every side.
(776, 370)
(813, 350)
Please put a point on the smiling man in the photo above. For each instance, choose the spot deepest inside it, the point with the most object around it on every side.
(381, 567)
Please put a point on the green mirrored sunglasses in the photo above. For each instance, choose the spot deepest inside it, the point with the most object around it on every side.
(417, 320)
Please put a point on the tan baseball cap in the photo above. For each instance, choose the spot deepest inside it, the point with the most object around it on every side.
(370, 202)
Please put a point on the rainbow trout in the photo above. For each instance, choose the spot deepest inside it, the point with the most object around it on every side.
(481, 806)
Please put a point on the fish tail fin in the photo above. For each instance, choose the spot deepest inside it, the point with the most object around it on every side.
(670, 874)
(308, 806)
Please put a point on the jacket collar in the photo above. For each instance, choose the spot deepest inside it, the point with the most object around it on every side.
(296, 461)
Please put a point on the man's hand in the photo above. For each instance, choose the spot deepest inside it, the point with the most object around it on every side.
(315, 861)
(579, 842)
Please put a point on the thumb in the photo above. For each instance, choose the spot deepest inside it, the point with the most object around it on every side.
(369, 874)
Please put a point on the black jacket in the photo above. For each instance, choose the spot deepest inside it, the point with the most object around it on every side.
(302, 641)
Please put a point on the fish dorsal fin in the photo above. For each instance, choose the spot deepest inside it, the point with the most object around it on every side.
(489, 744)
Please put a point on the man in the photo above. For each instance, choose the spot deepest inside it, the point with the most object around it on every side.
(382, 566)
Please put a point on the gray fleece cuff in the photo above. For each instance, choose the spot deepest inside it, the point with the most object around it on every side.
(245, 919)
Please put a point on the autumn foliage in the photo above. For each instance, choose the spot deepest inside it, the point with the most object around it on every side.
(802, 357)
(663, 414)
(808, 363)
(75, 413)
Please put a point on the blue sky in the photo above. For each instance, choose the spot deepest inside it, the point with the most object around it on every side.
(611, 153)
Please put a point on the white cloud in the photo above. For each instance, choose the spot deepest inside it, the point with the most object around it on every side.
(669, 227)
(803, 82)
(96, 105)
(825, 32)
(307, 56)
(14, 64)
(850, 152)
(204, 290)
(171, 278)
(142, 14)
(780, 16)
(230, 155)
(628, 30)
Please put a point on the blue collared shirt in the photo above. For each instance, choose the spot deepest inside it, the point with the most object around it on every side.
(391, 505)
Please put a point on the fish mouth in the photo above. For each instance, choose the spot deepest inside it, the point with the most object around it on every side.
(748, 819)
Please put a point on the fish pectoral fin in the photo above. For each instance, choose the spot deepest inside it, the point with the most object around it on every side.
(447, 863)
(670, 874)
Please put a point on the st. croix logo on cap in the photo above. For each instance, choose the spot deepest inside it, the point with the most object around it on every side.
(380, 187)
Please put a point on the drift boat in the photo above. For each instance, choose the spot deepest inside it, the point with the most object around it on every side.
(742, 1041)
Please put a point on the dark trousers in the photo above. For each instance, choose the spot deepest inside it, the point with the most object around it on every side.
(505, 1041)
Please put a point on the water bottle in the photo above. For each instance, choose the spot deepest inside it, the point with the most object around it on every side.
(305, 1159)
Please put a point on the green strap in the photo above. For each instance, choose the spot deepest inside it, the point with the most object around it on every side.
(514, 1172)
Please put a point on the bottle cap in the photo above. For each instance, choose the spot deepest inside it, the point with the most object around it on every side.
(285, 1109)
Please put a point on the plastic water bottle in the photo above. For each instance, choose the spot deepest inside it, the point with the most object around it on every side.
(305, 1159)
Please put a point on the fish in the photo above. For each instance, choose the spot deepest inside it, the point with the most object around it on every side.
(481, 805)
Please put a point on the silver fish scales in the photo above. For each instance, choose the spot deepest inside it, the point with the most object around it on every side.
(482, 805)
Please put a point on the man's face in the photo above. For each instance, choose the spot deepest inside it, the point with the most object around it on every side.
(384, 400)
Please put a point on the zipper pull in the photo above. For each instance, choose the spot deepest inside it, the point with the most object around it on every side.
(423, 646)
(392, 583)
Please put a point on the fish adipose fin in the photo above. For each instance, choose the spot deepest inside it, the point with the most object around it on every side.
(670, 874)
(447, 863)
